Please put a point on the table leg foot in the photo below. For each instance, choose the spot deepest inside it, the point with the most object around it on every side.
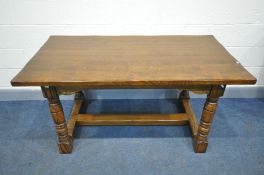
(65, 148)
(199, 147)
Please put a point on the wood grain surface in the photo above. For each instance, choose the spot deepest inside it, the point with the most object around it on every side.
(132, 61)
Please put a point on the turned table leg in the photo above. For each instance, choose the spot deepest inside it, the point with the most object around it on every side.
(200, 140)
(64, 140)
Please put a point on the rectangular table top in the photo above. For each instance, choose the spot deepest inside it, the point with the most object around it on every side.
(132, 61)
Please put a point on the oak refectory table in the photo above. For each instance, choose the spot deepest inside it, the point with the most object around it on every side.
(70, 64)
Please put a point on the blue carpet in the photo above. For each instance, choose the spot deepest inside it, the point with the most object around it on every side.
(236, 142)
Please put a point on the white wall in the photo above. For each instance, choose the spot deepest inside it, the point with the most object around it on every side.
(26, 24)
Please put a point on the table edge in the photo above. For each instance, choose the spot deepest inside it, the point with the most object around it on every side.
(136, 83)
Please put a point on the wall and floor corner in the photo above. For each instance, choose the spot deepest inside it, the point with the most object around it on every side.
(26, 24)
